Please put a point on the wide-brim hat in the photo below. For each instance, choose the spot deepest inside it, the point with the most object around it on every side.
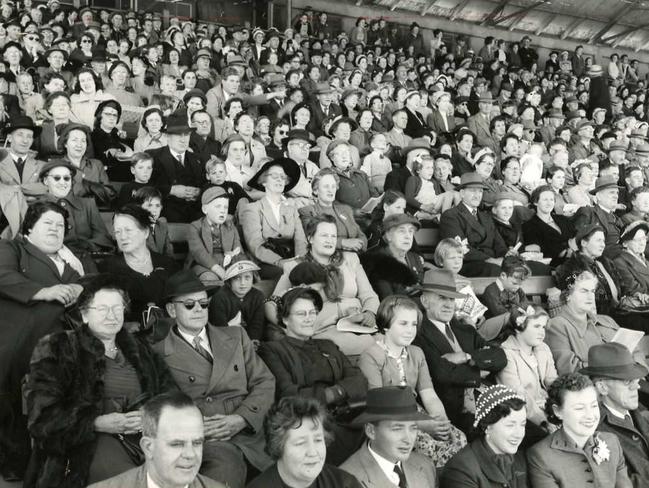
(289, 166)
(195, 92)
(177, 124)
(185, 282)
(238, 268)
(632, 228)
(67, 128)
(613, 360)
(55, 49)
(604, 182)
(322, 88)
(418, 143)
(442, 282)
(390, 403)
(396, 220)
(339, 120)
(349, 92)
(299, 135)
(57, 163)
(486, 97)
(471, 180)
(203, 53)
(21, 122)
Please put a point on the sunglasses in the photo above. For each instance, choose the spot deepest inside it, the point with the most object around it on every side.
(32, 38)
(86, 41)
(190, 304)
(59, 178)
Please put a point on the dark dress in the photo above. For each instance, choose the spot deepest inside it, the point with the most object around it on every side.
(552, 242)
(102, 142)
(329, 477)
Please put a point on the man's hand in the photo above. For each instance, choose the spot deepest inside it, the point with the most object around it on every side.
(457, 357)
(185, 192)
(223, 427)
(352, 244)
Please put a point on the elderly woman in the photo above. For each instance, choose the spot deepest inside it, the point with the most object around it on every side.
(37, 282)
(325, 186)
(485, 162)
(107, 141)
(271, 227)
(492, 459)
(144, 273)
(152, 135)
(530, 367)
(347, 290)
(340, 130)
(394, 361)
(631, 263)
(91, 179)
(297, 431)
(585, 177)
(395, 268)
(87, 96)
(577, 454)
(58, 105)
(354, 188)
(392, 203)
(314, 368)
(87, 231)
(547, 229)
(84, 391)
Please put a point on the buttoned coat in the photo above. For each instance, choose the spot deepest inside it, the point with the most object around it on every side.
(237, 382)
(530, 377)
(259, 223)
(416, 126)
(634, 274)
(474, 467)
(318, 116)
(419, 471)
(610, 222)
(556, 462)
(634, 441)
(30, 183)
(200, 241)
(436, 122)
(136, 478)
(479, 125)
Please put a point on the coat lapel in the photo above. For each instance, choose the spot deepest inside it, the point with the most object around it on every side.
(471, 221)
(223, 348)
(206, 235)
(40, 256)
(30, 170)
(269, 215)
(8, 168)
(376, 478)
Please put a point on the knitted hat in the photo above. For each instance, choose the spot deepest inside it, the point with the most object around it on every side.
(491, 398)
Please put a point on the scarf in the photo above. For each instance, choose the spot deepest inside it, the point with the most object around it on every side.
(334, 281)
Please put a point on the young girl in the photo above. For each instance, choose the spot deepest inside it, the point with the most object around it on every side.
(394, 361)
(150, 199)
(423, 193)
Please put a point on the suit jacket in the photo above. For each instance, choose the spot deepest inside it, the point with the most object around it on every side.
(436, 122)
(397, 179)
(475, 467)
(318, 116)
(30, 183)
(416, 126)
(557, 461)
(136, 478)
(451, 379)
(258, 223)
(634, 439)
(610, 222)
(418, 469)
(237, 382)
(200, 241)
(484, 241)
(633, 273)
(479, 125)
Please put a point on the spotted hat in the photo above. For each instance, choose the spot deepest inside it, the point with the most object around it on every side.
(491, 398)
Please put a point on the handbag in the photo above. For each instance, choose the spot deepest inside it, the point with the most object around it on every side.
(131, 442)
(282, 247)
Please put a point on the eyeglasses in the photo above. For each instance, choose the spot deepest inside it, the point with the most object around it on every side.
(283, 132)
(86, 41)
(278, 176)
(110, 114)
(190, 304)
(304, 313)
(32, 38)
(104, 309)
(59, 178)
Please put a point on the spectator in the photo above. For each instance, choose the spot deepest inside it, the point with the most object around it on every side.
(152, 137)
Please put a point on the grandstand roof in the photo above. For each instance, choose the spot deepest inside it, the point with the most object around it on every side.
(613, 23)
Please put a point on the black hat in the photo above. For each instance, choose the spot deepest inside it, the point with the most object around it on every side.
(106, 103)
(115, 64)
(185, 282)
(177, 124)
(55, 49)
(390, 403)
(21, 122)
(299, 134)
(195, 92)
(307, 273)
(67, 128)
(613, 360)
(289, 166)
(396, 220)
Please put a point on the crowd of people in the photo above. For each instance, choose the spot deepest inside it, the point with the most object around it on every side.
(308, 160)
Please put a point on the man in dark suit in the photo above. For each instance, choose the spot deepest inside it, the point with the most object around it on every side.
(220, 370)
(616, 376)
(201, 141)
(416, 126)
(603, 214)
(458, 358)
(273, 109)
(322, 108)
(397, 178)
(486, 246)
(178, 173)
(387, 460)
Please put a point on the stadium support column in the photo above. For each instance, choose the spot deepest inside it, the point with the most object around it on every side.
(289, 13)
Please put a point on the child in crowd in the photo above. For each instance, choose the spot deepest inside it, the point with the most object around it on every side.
(239, 303)
(506, 293)
(424, 192)
(214, 239)
(141, 169)
(150, 199)
(376, 164)
(216, 173)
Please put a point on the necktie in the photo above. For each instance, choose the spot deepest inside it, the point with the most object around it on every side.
(200, 349)
(303, 168)
(181, 160)
(20, 164)
(402, 477)
(474, 212)
(449, 334)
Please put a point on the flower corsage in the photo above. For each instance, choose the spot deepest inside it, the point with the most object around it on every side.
(601, 452)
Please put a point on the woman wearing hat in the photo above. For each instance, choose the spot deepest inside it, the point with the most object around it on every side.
(87, 231)
(340, 130)
(631, 263)
(577, 454)
(271, 226)
(314, 367)
(492, 460)
(107, 141)
(585, 177)
(152, 135)
(119, 74)
(58, 106)
(88, 94)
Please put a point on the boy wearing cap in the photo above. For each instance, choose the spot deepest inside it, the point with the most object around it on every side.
(386, 459)
(214, 239)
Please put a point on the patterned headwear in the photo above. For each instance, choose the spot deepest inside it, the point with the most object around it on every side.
(490, 399)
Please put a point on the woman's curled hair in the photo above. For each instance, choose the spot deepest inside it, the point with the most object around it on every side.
(36, 211)
(557, 392)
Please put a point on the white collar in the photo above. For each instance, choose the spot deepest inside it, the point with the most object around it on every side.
(440, 325)
(616, 413)
(177, 155)
(203, 337)
(499, 284)
(152, 484)
(386, 466)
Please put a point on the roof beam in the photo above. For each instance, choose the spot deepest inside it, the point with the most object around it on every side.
(458, 9)
(616, 18)
(496, 11)
(571, 28)
(428, 7)
(545, 25)
(519, 13)
(642, 46)
(394, 5)
(623, 33)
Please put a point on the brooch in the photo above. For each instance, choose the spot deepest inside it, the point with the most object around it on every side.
(601, 452)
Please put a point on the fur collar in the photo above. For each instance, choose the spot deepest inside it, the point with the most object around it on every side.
(380, 265)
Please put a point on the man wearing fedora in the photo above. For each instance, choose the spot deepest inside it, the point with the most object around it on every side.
(617, 377)
(386, 460)
(486, 245)
(178, 173)
(603, 214)
(322, 108)
(220, 370)
(584, 147)
(479, 123)
(458, 358)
